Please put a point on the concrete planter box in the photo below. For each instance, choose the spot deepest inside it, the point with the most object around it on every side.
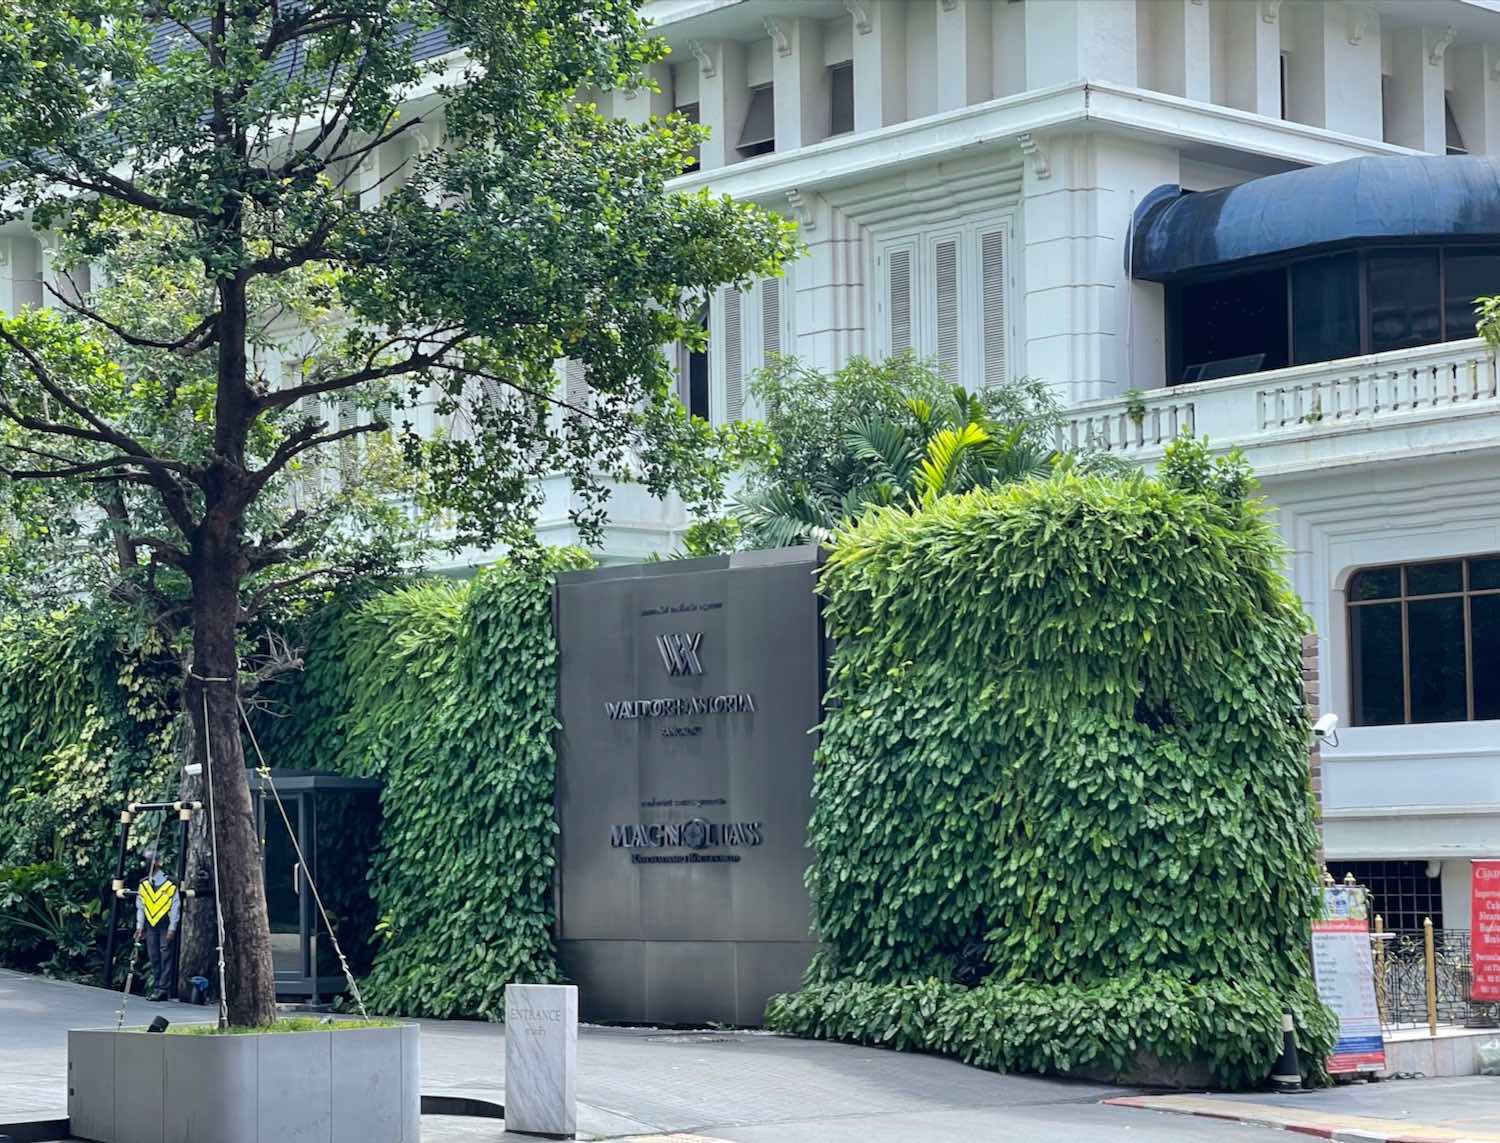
(355, 1086)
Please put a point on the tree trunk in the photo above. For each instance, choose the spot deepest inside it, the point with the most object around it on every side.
(212, 696)
(198, 936)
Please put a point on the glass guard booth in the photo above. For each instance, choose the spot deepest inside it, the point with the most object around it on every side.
(336, 822)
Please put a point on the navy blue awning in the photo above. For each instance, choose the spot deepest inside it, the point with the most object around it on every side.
(1359, 201)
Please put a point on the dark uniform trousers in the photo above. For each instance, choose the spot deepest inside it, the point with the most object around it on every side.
(163, 956)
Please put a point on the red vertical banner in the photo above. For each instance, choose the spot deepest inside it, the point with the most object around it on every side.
(1484, 930)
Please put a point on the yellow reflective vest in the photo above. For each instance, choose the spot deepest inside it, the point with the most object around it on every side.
(157, 902)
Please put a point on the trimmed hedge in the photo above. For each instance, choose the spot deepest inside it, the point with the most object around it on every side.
(445, 691)
(1066, 755)
(1116, 1027)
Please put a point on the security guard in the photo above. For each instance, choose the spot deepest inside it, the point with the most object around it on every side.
(157, 910)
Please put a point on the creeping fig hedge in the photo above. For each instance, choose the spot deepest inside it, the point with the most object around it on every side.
(1066, 760)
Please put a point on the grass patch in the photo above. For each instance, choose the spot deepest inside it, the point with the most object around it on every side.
(290, 1024)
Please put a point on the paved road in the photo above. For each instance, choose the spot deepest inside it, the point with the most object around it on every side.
(739, 1087)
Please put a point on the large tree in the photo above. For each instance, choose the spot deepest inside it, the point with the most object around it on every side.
(219, 163)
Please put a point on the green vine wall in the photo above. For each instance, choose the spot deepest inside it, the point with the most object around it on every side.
(445, 691)
(87, 714)
(1063, 817)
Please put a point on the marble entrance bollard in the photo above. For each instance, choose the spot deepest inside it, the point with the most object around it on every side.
(541, 1059)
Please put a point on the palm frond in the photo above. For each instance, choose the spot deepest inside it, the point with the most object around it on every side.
(940, 467)
(886, 448)
(782, 517)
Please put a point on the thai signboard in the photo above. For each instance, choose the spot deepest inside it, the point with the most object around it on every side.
(1484, 930)
(687, 693)
(1342, 966)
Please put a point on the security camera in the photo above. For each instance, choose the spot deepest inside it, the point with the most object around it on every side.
(1326, 729)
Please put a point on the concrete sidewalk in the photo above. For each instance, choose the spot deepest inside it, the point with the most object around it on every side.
(1463, 1109)
(750, 1087)
(743, 1087)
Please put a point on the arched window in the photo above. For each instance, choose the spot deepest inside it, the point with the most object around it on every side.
(1424, 642)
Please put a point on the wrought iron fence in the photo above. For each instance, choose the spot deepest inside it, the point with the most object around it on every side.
(1402, 977)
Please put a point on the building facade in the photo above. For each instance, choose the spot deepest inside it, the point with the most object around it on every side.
(1260, 220)
(1009, 186)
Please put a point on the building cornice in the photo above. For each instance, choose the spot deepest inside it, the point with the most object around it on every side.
(1080, 106)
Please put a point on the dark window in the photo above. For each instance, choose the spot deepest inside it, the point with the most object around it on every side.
(1424, 642)
(1401, 893)
(689, 111)
(1468, 273)
(1484, 617)
(1404, 293)
(1363, 301)
(1325, 309)
(841, 87)
(758, 136)
(1233, 318)
(693, 387)
(1455, 139)
(1375, 647)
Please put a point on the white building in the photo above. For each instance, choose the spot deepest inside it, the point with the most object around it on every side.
(968, 175)
(1039, 188)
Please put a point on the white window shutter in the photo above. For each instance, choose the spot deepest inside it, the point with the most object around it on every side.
(770, 319)
(575, 384)
(734, 356)
(898, 299)
(992, 303)
(945, 310)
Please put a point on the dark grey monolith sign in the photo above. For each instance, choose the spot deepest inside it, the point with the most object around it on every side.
(686, 690)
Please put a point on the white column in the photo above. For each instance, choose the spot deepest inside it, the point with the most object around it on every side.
(722, 98)
(1333, 67)
(1009, 48)
(827, 285)
(1174, 41)
(1415, 114)
(1252, 56)
(1070, 40)
(639, 105)
(964, 44)
(803, 98)
(382, 171)
(1302, 37)
(1475, 70)
(879, 62)
(1089, 329)
(1197, 52)
(1351, 69)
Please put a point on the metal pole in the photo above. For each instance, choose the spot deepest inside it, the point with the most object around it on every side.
(1431, 976)
(1380, 997)
(116, 892)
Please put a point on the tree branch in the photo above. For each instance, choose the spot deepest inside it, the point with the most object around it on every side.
(183, 344)
(285, 398)
(300, 442)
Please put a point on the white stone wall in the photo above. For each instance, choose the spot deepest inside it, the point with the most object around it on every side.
(1421, 792)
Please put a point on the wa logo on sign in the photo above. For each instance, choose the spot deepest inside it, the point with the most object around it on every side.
(679, 653)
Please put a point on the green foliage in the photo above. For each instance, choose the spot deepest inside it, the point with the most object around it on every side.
(445, 692)
(86, 726)
(1066, 746)
(1106, 1028)
(1487, 320)
(289, 1024)
(889, 433)
(49, 921)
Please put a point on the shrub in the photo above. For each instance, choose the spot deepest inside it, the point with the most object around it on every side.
(1067, 748)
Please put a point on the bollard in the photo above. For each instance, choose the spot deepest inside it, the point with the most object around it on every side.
(1380, 997)
(1431, 976)
(1288, 1074)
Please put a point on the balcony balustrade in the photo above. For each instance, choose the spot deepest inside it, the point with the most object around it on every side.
(1431, 397)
